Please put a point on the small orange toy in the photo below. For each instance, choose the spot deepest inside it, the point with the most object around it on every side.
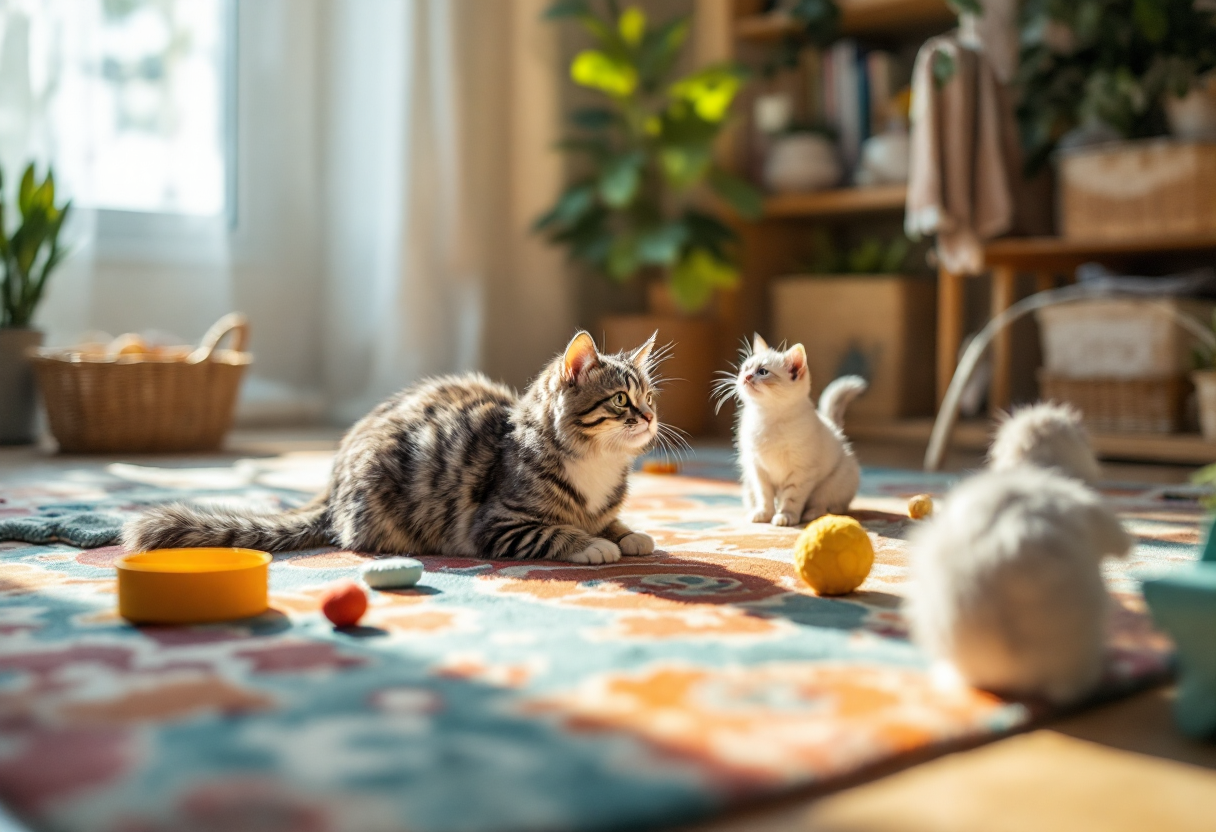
(920, 506)
(344, 604)
(659, 466)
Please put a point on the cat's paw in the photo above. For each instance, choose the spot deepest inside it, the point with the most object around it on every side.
(600, 551)
(760, 515)
(785, 518)
(636, 543)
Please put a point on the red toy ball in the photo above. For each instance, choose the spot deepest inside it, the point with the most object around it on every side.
(344, 604)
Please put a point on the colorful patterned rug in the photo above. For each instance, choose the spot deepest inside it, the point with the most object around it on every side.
(495, 696)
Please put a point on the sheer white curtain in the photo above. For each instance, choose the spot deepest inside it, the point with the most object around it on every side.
(441, 118)
(389, 158)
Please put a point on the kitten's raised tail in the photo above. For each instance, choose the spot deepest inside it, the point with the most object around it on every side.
(837, 396)
(182, 526)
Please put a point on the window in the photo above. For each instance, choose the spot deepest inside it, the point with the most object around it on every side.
(135, 97)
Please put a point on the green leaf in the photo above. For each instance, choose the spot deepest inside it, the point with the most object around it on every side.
(660, 48)
(622, 258)
(740, 194)
(895, 256)
(611, 76)
(711, 91)
(598, 149)
(680, 125)
(567, 8)
(632, 25)
(684, 165)
(865, 258)
(571, 207)
(619, 180)
(26, 192)
(660, 245)
(707, 232)
(594, 118)
(696, 276)
(1150, 18)
(589, 239)
(1087, 22)
(1206, 476)
(820, 20)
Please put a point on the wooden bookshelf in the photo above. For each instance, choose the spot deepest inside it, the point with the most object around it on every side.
(837, 202)
(858, 17)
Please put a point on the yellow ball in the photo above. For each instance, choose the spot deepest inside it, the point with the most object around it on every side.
(834, 555)
(920, 506)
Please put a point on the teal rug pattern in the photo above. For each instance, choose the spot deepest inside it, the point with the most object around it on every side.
(495, 695)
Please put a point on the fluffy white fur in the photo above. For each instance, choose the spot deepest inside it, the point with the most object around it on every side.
(1047, 435)
(796, 462)
(1007, 584)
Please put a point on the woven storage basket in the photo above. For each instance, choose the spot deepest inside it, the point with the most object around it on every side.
(1155, 187)
(135, 404)
(1120, 405)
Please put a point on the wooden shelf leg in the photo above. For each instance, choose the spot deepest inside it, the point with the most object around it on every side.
(1004, 279)
(949, 327)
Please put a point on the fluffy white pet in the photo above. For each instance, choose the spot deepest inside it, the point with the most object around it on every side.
(1007, 588)
(796, 463)
(1046, 435)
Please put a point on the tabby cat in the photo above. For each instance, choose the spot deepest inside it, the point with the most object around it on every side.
(463, 466)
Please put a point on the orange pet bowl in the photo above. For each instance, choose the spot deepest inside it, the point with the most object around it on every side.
(192, 586)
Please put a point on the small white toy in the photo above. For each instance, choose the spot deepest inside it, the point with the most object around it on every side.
(392, 573)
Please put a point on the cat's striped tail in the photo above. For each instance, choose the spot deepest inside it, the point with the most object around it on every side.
(837, 396)
(182, 526)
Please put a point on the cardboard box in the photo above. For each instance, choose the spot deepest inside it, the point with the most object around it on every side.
(882, 327)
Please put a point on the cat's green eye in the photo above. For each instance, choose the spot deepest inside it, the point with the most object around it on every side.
(620, 400)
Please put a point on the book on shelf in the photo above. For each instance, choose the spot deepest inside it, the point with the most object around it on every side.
(846, 88)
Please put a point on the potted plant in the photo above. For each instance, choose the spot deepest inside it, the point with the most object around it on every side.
(634, 207)
(27, 258)
(1107, 66)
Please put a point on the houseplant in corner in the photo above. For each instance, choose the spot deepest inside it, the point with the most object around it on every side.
(633, 207)
(27, 258)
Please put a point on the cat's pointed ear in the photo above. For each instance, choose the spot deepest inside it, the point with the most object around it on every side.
(638, 357)
(795, 361)
(758, 343)
(581, 356)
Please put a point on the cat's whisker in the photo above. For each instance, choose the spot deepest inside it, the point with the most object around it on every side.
(660, 354)
(675, 434)
(678, 443)
(667, 438)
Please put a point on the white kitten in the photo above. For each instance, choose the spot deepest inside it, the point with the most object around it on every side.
(797, 465)
(1047, 435)
(1007, 586)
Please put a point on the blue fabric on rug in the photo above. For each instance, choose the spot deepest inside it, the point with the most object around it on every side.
(86, 529)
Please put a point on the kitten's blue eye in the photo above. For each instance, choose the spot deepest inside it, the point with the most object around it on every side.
(761, 372)
(620, 400)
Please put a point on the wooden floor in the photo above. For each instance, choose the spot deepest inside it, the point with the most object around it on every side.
(1119, 767)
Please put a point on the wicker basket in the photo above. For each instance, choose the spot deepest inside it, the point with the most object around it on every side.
(1150, 188)
(1121, 405)
(133, 404)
